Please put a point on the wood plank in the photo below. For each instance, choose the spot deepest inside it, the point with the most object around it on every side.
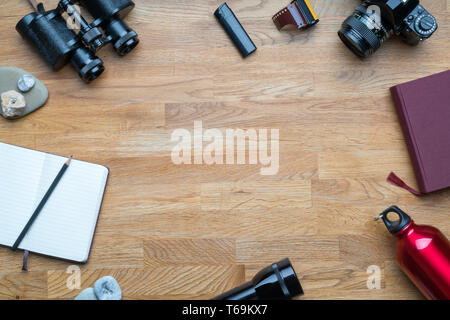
(193, 231)
(256, 196)
(299, 248)
(189, 251)
(23, 285)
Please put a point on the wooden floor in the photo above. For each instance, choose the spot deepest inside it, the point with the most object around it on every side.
(171, 231)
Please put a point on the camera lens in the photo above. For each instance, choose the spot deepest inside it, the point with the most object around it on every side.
(364, 32)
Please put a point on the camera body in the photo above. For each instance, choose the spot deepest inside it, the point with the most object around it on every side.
(409, 19)
(375, 21)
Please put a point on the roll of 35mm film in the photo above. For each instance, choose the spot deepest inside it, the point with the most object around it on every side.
(235, 30)
(298, 13)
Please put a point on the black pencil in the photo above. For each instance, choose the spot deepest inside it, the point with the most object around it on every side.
(41, 204)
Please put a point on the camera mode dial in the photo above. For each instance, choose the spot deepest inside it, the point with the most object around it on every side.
(425, 25)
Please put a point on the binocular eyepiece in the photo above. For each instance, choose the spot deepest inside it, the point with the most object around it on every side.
(76, 41)
(276, 282)
(109, 15)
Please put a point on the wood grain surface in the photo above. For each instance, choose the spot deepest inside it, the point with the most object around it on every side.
(193, 231)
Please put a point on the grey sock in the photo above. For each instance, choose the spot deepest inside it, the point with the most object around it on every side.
(87, 294)
(107, 288)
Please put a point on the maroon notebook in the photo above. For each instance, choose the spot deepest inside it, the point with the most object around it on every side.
(423, 108)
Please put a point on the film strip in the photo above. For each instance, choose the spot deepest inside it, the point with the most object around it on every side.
(298, 13)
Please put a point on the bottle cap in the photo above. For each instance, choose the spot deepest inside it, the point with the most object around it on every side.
(398, 225)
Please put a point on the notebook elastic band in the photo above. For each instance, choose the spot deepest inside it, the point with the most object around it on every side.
(25, 260)
(394, 179)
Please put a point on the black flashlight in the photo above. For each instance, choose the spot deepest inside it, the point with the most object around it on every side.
(276, 282)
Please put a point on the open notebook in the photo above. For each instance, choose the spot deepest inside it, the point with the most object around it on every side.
(65, 227)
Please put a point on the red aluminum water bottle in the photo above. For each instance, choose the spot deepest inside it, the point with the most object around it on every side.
(423, 253)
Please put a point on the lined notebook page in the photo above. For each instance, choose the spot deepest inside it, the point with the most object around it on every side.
(65, 227)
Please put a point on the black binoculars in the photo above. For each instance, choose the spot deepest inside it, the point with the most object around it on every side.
(275, 282)
(60, 40)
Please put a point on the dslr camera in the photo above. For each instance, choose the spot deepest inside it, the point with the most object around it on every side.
(375, 21)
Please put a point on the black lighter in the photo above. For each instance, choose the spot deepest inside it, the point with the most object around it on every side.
(235, 30)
